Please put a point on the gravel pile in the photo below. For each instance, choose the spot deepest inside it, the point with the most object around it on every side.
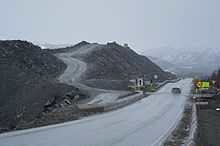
(27, 82)
(209, 123)
(115, 62)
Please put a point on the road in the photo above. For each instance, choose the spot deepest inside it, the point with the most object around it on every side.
(75, 73)
(144, 123)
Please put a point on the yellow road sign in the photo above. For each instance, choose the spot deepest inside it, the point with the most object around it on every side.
(199, 84)
(205, 84)
(202, 84)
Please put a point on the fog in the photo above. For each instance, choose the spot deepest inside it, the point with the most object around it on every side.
(143, 24)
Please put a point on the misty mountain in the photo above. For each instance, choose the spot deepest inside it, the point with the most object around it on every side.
(5, 37)
(165, 65)
(51, 46)
(203, 60)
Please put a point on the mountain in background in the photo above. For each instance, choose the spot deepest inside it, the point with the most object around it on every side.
(187, 60)
(51, 46)
(40, 44)
(165, 65)
(6, 37)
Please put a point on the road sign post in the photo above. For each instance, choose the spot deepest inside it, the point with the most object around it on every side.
(213, 83)
(155, 78)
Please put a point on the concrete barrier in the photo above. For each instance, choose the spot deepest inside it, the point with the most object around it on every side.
(105, 107)
(167, 81)
(123, 102)
(193, 138)
(161, 84)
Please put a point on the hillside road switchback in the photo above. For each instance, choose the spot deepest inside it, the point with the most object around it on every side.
(75, 72)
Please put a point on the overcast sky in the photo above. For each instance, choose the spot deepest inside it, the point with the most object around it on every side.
(143, 24)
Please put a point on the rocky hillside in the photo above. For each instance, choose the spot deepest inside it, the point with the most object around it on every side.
(115, 62)
(30, 95)
(27, 81)
(111, 66)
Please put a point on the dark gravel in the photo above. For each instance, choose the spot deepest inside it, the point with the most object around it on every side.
(115, 62)
(209, 124)
(60, 115)
(27, 82)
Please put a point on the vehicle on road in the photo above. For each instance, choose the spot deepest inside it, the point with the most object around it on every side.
(176, 90)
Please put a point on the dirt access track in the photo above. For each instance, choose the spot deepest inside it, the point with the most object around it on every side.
(75, 74)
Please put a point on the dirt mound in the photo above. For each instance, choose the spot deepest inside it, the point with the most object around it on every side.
(115, 62)
(27, 81)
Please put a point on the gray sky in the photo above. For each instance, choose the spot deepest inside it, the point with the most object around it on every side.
(143, 24)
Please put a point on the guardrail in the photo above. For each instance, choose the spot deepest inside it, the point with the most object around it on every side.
(193, 138)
